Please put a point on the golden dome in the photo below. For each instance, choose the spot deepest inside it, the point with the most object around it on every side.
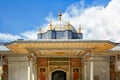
(60, 25)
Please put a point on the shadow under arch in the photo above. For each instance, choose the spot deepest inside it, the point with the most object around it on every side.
(59, 75)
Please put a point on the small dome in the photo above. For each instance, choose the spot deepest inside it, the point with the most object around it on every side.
(60, 25)
(59, 29)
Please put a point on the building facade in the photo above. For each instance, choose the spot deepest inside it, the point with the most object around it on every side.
(60, 53)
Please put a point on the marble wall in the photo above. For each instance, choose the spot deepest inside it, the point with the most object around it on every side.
(17, 68)
(102, 68)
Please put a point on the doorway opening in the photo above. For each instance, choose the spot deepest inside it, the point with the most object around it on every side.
(59, 75)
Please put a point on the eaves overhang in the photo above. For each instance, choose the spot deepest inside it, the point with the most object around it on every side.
(60, 46)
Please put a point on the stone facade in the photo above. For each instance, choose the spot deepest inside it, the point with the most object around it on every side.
(18, 68)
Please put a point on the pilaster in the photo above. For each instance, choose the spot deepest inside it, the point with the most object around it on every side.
(85, 70)
(31, 67)
(112, 67)
(91, 61)
(4, 67)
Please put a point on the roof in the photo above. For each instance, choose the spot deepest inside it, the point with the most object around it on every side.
(60, 25)
(59, 45)
(3, 48)
(116, 48)
(60, 40)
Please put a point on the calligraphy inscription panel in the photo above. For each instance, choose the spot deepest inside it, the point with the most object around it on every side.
(42, 61)
(75, 62)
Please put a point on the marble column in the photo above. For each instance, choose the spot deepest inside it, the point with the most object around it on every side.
(35, 71)
(85, 70)
(32, 71)
(29, 70)
(1, 70)
(91, 67)
(1, 67)
(31, 67)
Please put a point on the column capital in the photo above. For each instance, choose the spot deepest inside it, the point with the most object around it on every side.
(30, 58)
(91, 58)
(85, 63)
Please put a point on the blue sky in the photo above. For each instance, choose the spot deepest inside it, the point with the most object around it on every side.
(19, 16)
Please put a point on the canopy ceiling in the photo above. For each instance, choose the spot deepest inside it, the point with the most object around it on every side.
(60, 47)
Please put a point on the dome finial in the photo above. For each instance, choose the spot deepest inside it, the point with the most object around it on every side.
(40, 31)
(60, 15)
(50, 25)
(79, 30)
(68, 25)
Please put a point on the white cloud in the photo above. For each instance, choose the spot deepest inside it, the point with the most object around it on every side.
(8, 37)
(29, 35)
(50, 17)
(97, 22)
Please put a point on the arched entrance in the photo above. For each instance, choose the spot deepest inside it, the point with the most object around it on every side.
(59, 75)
